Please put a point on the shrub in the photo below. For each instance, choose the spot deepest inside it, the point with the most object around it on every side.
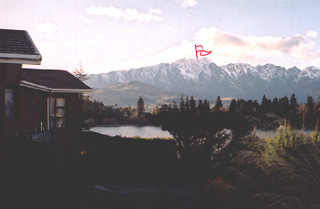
(286, 168)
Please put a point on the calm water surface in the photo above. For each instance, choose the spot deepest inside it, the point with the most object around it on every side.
(131, 131)
(156, 132)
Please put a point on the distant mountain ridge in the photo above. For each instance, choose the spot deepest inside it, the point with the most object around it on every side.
(204, 79)
(126, 94)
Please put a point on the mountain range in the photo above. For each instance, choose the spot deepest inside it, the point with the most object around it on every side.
(125, 94)
(204, 79)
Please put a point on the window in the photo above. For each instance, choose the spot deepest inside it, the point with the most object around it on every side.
(30, 101)
(9, 105)
(57, 114)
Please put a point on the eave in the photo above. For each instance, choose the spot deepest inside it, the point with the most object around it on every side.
(20, 61)
(34, 59)
(28, 84)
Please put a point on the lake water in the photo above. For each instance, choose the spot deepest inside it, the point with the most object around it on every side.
(155, 131)
(131, 131)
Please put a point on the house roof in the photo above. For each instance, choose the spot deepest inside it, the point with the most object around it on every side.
(16, 46)
(52, 81)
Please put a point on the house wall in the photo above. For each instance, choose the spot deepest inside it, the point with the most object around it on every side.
(30, 110)
(2, 98)
(9, 78)
(68, 137)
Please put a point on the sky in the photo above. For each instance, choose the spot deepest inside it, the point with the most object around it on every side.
(108, 35)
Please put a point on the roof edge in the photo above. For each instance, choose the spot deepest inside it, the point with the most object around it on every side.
(52, 90)
(21, 56)
(35, 48)
(20, 61)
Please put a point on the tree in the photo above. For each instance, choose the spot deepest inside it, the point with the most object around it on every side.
(265, 104)
(182, 105)
(206, 106)
(293, 110)
(80, 74)
(284, 106)
(275, 106)
(187, 104)
(302, 110)
(316, 112)
(233, 107)
(85, 101)
(193, 106)
(175, 107)
(309, 114)
(140, 106)
(218, 104)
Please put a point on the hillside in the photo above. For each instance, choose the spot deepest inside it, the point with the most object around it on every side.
(204, 79)
(127, 93)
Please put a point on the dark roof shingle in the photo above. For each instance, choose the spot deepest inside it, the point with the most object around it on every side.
(18, 45)
(53, 79)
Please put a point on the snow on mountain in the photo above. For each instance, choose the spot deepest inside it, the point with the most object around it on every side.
(203, 78)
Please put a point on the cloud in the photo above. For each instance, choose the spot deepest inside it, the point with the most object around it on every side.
(47, 28)
(86, 20)
(297, 50)
(127, 14)
(188, 3)
(312, 34)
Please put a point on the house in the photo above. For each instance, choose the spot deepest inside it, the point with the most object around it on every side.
(39, 127)
(35, 100)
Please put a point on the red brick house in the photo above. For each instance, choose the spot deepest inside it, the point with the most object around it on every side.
(34, 100)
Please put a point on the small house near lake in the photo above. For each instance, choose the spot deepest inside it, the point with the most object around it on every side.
(35, 101)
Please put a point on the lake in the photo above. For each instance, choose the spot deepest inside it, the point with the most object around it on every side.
(132, 130)
(155, 131)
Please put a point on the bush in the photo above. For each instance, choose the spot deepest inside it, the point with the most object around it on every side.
(88, 124)
(286, 168)
(109, 121)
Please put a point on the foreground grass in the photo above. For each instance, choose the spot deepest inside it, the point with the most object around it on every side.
(275, 172)
(282, 171)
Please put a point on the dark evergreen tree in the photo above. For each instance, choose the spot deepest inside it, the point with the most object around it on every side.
(309, 115)
(255, 106)
(140, 106)
(275, 107)
(310, 103)
(80, 74)
(170, 109)
(175, 107)
(233, 106)
(187, 104)
(316, 113)
(284, 106)
(293, 110)
(265, 106)
(218, 104)
(182, 105)
(241, 106)
(200, 107)
(248, 108)
(206, 105)
(193, 106)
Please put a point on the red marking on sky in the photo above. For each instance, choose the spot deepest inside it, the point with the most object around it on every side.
(202, 52)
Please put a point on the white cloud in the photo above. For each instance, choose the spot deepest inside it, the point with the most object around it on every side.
(312, 34)
(297, 50)
(127, 14)
(188, 3)
(86, 20)
(47, 28)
